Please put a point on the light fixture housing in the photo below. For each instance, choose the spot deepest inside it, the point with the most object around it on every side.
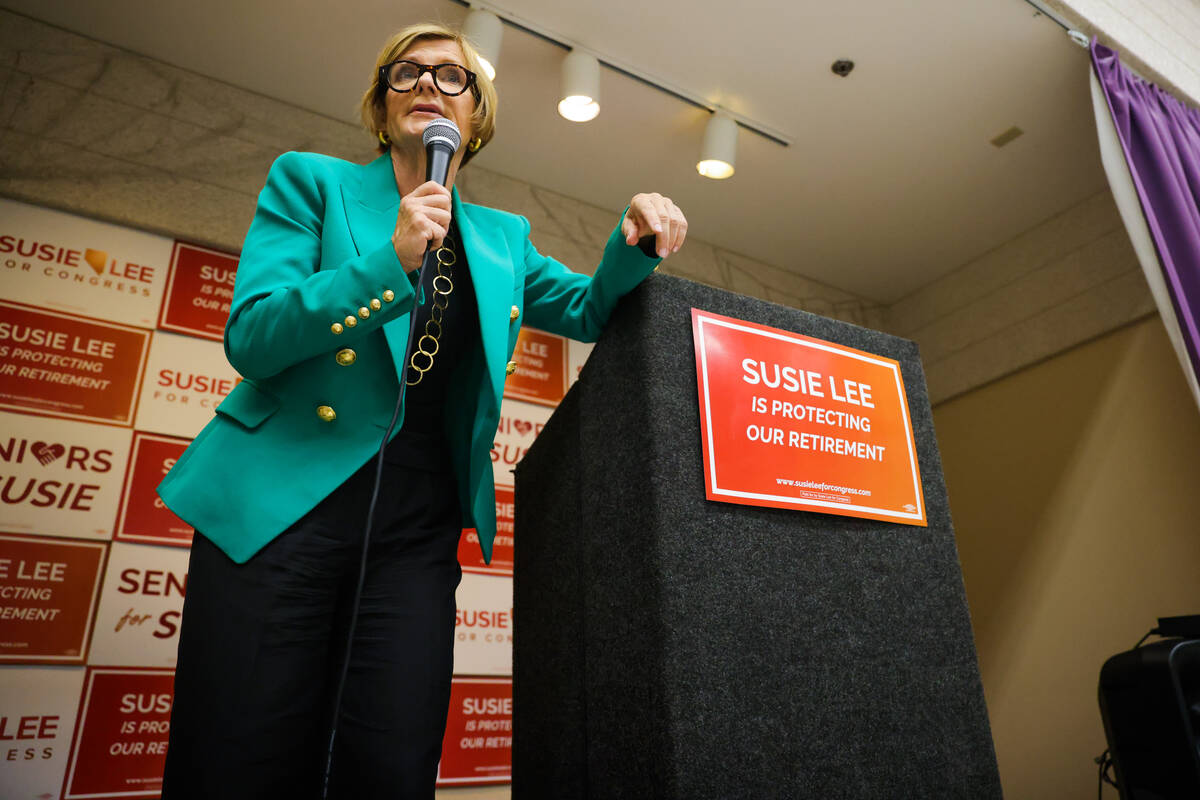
(719, 151)
(580, 87)
(484, 29)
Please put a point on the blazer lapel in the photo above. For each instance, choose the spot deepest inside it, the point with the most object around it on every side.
(490, 263)
(371, 211)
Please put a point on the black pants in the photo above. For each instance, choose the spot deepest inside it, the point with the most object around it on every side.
(262, 643)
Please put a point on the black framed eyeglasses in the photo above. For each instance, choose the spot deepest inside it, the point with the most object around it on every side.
(450, 79)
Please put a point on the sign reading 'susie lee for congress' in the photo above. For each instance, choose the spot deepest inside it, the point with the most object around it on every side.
(795, 422)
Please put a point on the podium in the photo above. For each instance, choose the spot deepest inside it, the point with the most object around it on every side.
(669, 646)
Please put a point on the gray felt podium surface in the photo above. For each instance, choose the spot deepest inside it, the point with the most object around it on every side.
(669, 646)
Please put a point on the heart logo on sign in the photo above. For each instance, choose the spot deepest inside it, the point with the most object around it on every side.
(523, 427)
(47, 453)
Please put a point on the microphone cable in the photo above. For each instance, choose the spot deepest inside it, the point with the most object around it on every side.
(362, 566)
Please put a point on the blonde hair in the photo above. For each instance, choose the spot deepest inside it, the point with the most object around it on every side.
(374, 100)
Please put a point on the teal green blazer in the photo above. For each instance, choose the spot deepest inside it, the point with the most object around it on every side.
(317, 257)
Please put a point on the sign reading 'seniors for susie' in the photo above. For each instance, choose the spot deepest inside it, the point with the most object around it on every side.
(794, 422)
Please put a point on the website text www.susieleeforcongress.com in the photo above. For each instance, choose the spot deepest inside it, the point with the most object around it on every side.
(823, 487)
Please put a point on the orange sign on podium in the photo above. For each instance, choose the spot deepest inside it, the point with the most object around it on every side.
(789, 421)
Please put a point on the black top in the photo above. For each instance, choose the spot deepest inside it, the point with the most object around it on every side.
(421, 441)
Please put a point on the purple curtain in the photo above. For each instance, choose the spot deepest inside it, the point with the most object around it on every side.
(1161, 139)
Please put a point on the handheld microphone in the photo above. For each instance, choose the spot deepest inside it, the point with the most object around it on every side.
(441, 139)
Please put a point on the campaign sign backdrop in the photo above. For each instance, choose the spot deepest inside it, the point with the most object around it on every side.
(577, 356)
(520, 423)
(199, 291)
(68, 366)
(470, 557)
(477, 747)
(47, 595)
(143, 516)
(120, 743)
(541, 375)
(141, 605)
(795, 422)
(49, 259)
(185, 380)
(483, 627)
(60, 478)
(37, 716)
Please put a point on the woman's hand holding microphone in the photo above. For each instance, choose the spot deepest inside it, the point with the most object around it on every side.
(421, 223)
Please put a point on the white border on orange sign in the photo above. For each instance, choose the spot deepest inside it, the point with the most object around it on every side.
(138, 437)
(87, 627)
(492, 779)
(528, 398)
(79, 723)
(162, 312)
(701, 319)
(147, 335)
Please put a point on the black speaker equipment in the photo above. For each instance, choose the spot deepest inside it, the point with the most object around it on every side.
(1150, 704)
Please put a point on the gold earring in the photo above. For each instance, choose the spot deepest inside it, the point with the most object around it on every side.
(474, 144)
(384, 140)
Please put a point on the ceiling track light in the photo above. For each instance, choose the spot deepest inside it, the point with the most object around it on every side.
(630, 71)
(580, 87)
(484, 30)
(719, 151)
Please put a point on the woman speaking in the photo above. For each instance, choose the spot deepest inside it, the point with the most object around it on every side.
(277, 648)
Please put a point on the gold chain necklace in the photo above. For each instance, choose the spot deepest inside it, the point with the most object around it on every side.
(446, 259)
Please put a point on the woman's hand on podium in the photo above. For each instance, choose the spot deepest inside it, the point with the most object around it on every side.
(654, 214)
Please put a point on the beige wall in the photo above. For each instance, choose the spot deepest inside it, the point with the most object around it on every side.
(1073, 485)
(1065, 281)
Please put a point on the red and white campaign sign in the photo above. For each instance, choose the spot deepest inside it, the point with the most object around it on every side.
(185, 380)
(520, 423)
(795, 422)
(60, 478)
(54, 260)
(541, 374)
(577, 356)
(470, 557)
(483, 629)
(144, 517)
(48, 590)
(120, 743)
(141, 605)
(199, 291)
(37, 716)
(68, 366)
(477, 748)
